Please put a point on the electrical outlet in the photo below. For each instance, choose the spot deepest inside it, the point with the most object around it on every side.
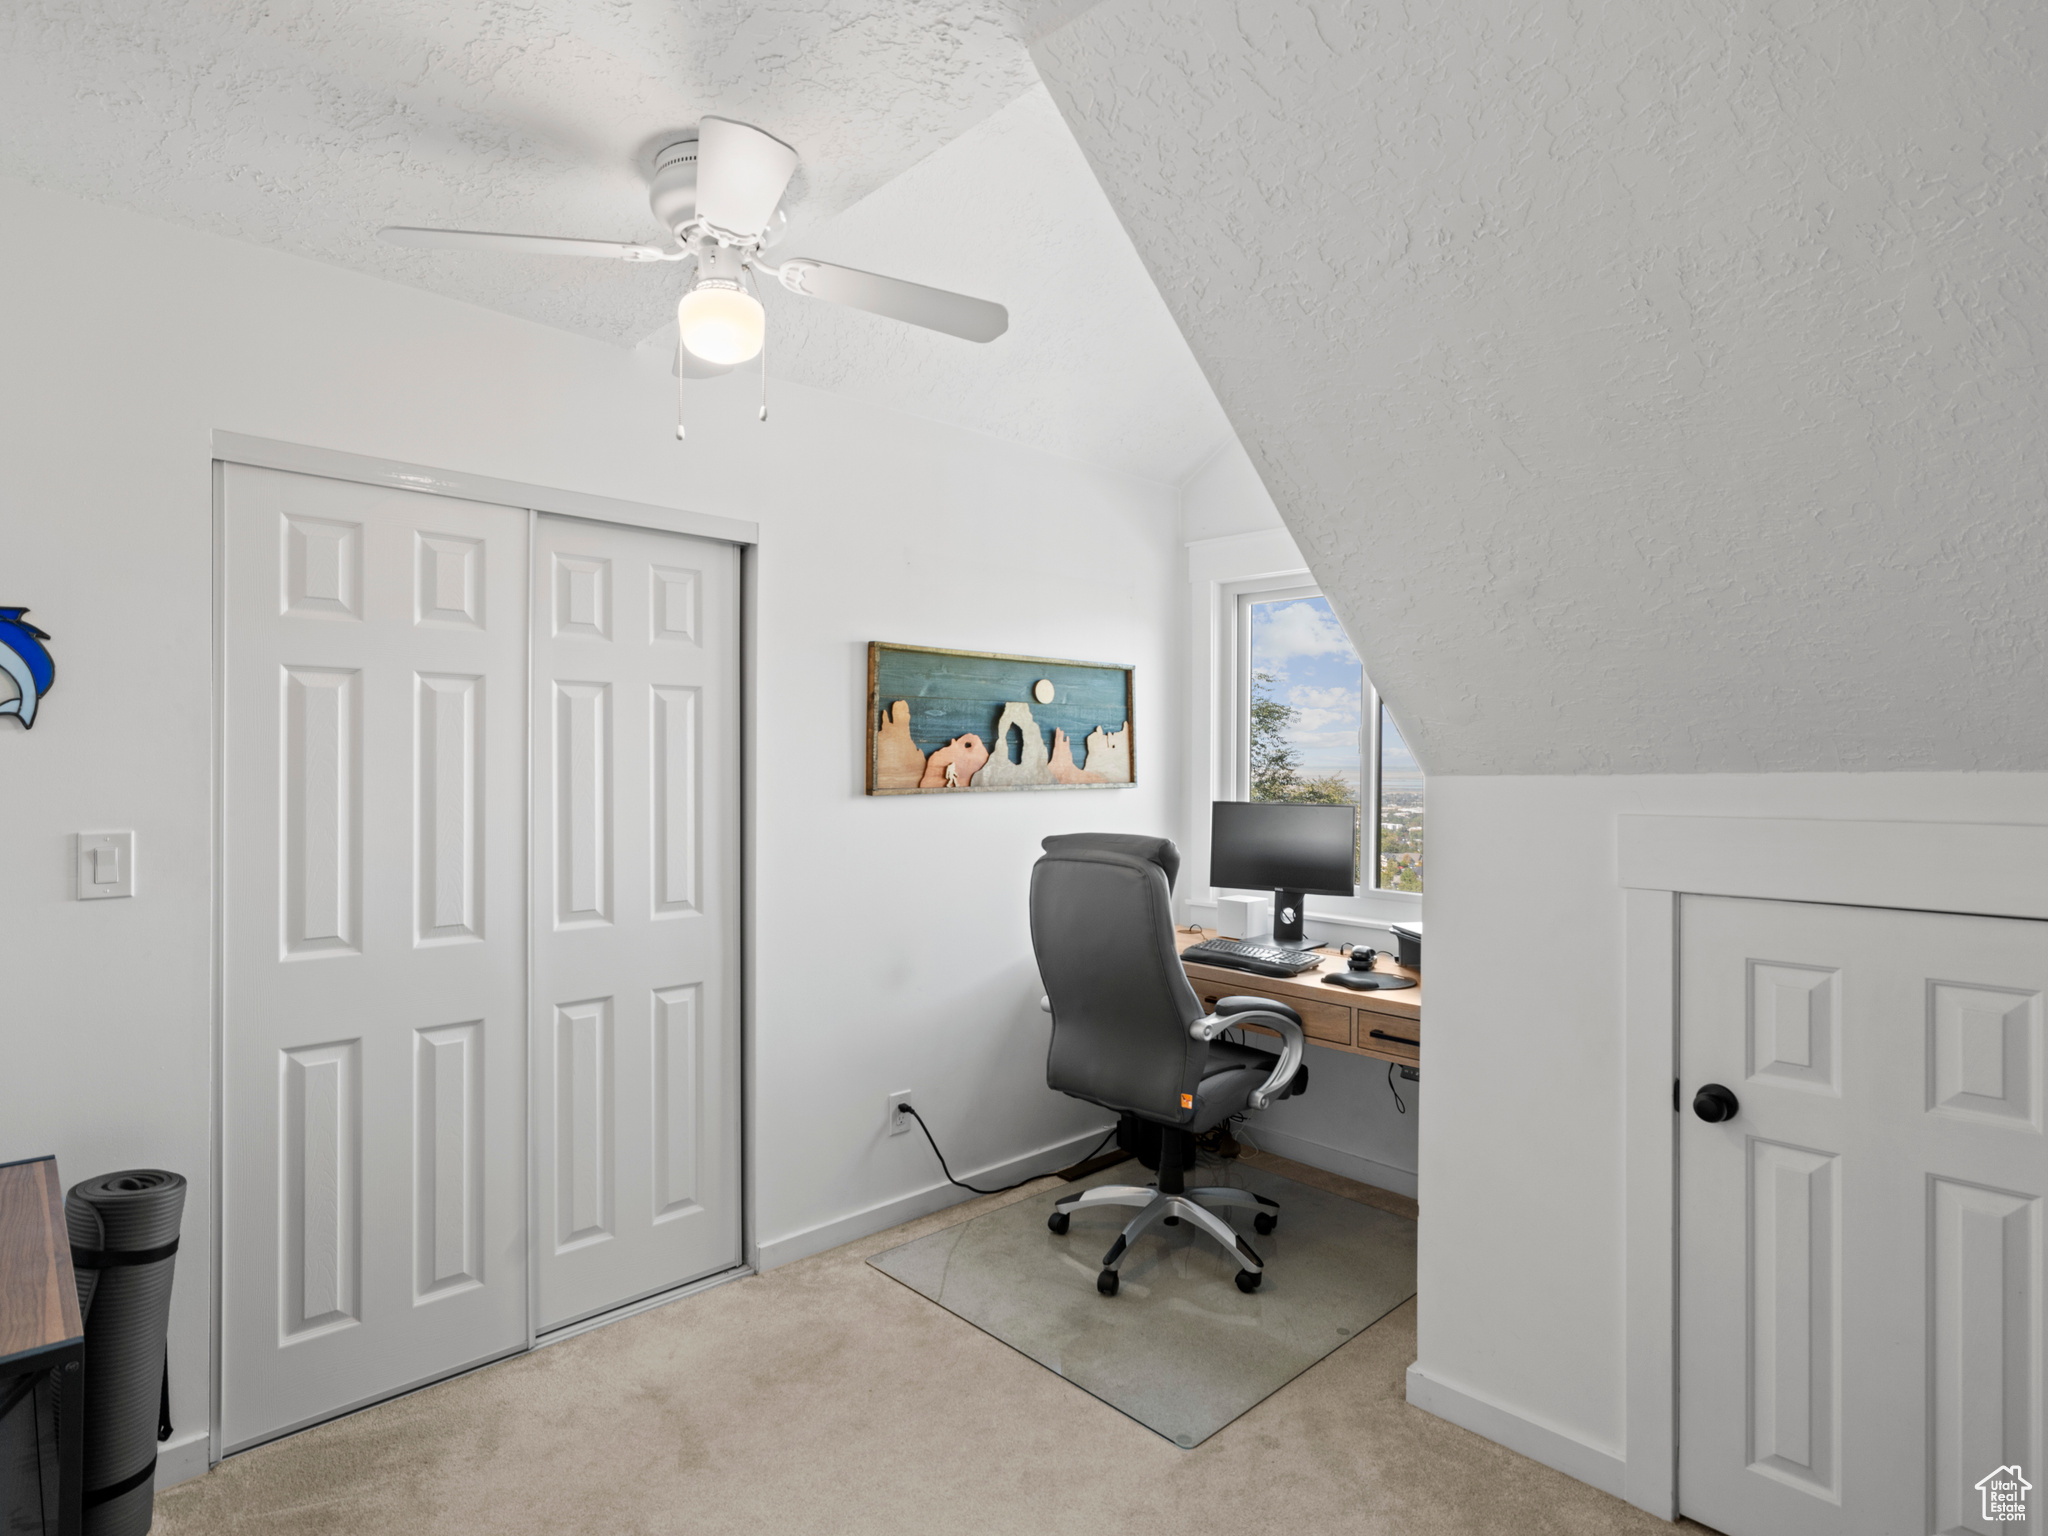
(899, 1122)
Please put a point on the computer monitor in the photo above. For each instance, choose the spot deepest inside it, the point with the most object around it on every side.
(1296, 850)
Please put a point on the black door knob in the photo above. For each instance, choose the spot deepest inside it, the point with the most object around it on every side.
(1713, 1104)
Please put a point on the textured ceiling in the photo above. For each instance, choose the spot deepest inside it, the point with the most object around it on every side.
(1655, 388)
(306, 124)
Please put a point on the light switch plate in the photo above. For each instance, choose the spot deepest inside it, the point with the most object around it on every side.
(106, 865)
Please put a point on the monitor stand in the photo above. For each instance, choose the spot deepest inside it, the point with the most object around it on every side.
(1287, 916)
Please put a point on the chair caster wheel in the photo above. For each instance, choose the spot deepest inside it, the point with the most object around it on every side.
(1264, 1222)
(1106, 1282)
(1056, 1223)
(1248, 1280)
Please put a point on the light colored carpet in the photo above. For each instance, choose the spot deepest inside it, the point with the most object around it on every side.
(824, 1397)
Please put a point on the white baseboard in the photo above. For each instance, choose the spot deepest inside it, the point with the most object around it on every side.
(792, 1246)
(181, 1460)
(1400, 1181)
(1519, 1432)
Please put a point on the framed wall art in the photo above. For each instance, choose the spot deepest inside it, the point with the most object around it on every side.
(940, 722)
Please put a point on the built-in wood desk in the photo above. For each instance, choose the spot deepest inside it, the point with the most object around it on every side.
(40, 1330)
(1386, 1025)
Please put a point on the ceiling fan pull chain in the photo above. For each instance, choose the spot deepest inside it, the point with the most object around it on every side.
(755, 287)
(682, 396)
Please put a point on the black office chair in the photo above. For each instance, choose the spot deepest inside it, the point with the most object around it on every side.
(1129, 1034)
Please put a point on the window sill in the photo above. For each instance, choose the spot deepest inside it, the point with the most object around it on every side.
(1368, 911)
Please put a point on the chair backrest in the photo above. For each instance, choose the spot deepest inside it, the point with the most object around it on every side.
(1102, 927)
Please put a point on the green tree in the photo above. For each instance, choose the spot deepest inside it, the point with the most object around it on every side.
(1323, 789)
(1276, 770)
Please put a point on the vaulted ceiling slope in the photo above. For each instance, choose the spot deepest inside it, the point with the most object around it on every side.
(929, 151)
(1092, 367)
(1655, 388)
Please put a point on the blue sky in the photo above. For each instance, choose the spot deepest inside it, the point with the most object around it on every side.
(1315, 669)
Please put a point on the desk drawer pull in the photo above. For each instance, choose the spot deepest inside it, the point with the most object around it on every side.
(1381, 1034)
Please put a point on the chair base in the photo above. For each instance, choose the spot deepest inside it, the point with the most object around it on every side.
(1190, 1205)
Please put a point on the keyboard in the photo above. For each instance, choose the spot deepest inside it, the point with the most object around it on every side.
(1263, 959)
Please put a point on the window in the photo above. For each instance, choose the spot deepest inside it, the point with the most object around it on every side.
(1313, 730)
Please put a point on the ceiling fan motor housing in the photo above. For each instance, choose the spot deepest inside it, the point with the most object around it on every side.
(673, 192)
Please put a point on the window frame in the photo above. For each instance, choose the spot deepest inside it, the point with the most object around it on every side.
(1373, 905)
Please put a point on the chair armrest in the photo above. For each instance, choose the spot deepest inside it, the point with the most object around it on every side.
(1234, 1005)
(1279, 1018)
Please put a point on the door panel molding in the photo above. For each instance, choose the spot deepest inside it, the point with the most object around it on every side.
(371, 737)
(448, 1158)
(1986, 1298)
(1973, 868)
(1795, 1313)
(321, 1227)
(637, 893)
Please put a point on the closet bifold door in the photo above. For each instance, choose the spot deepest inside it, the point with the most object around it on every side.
(634, 1014)
(373, 1124)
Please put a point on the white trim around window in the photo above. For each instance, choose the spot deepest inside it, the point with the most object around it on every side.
(1220, 573)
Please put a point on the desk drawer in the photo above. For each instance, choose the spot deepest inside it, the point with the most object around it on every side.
(1327, 1022)
(1398, 1050)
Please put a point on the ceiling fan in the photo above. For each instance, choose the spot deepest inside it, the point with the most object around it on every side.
(719, 191)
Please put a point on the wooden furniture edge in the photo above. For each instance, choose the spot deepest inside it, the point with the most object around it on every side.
(1395, 1013)
(40, 1193)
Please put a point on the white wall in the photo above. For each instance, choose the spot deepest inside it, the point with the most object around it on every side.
(893, 930)
(1522, 1173)
(1224, 496)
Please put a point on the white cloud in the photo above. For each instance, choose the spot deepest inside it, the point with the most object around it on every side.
(1316, 719)
(1345, 699)
(1325, 739)
(1305, 628)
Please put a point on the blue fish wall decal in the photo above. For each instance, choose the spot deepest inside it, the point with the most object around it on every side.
(23, 658)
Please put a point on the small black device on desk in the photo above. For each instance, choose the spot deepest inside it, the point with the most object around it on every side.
(1261, 959)
(1363, 978)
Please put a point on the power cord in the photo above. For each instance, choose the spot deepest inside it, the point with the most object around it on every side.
(908, 1110)
(1399, 1103)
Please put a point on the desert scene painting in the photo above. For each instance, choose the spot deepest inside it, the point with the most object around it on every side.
(948, 721)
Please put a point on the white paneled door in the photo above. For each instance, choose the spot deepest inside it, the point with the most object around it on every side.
(374, 943)
(1861, 1300)
(634, 1016)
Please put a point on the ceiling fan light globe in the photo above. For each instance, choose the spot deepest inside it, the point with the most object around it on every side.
(721, 323)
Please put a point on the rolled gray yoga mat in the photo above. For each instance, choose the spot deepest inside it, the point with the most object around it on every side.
(88, 1235)
(130, 1298)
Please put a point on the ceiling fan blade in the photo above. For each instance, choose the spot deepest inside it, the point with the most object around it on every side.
(933, 308)
(688, 365)
(532, 245)
(741, 175)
